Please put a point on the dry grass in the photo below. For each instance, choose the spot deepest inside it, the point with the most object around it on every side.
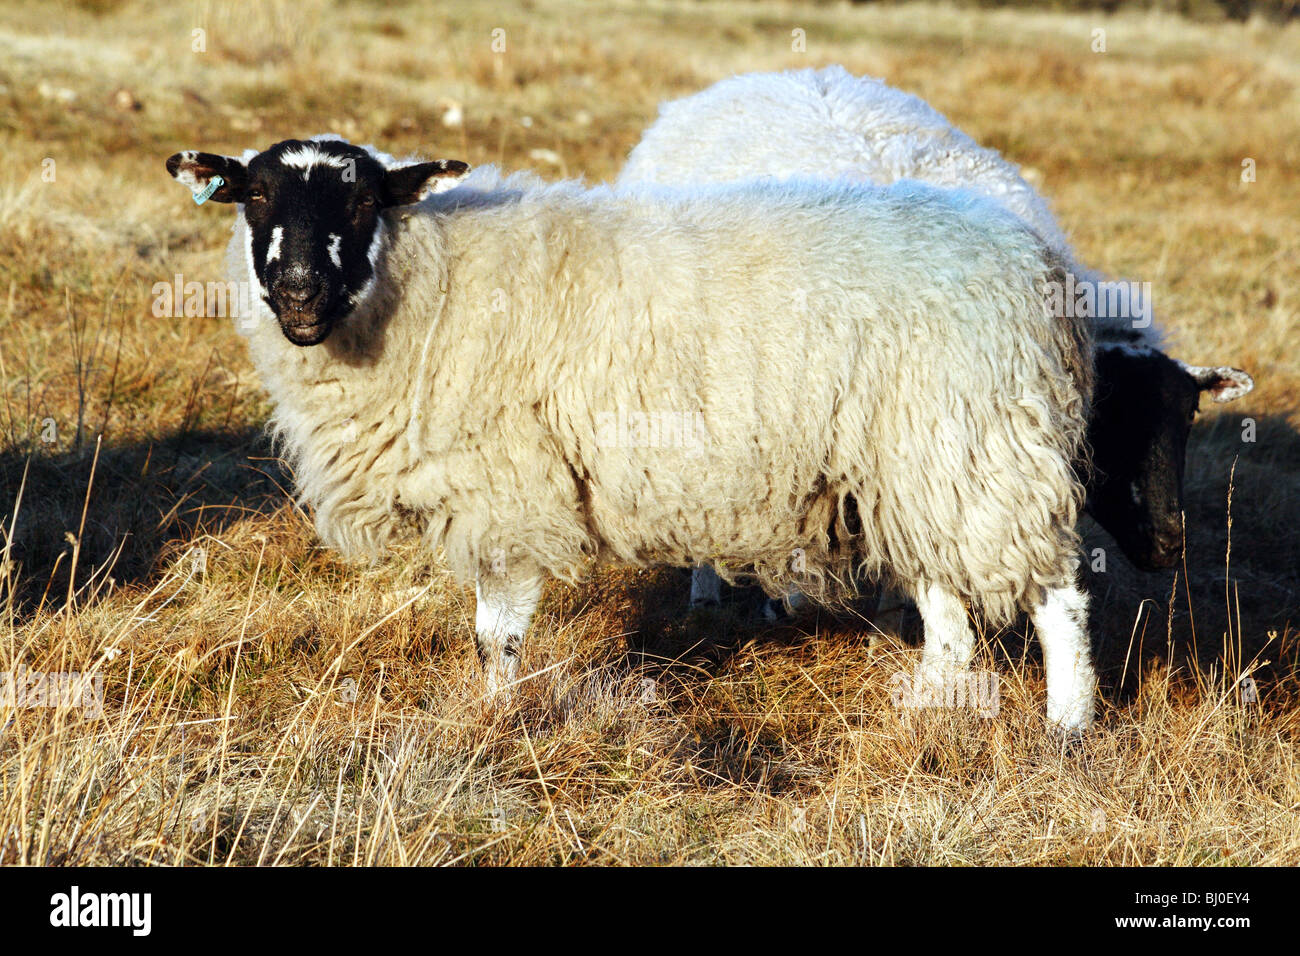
(267, 704)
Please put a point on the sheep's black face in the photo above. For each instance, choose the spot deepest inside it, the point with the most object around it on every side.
(1143, 410)
(315, 224)
(313, 216)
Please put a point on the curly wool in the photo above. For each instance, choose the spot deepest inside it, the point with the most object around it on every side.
(877, 379)
(830, 123)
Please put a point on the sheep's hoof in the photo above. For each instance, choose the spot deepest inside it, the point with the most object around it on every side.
(499, 692)
(1067, 740)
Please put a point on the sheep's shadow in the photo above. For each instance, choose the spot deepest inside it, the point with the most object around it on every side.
(147, 499)
(668, 631)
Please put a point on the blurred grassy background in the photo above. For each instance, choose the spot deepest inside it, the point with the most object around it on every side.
(745, 729)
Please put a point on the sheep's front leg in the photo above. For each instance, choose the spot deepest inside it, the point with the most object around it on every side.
(1061, 621)
(949, 639)
(505, 605)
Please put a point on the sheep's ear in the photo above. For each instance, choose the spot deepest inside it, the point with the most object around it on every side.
(408, 184)
(197, 170)
(1223, 383)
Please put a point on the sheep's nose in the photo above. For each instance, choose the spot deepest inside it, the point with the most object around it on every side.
(1166, 548)
(298, 292)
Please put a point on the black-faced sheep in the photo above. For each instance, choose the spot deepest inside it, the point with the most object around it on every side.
(878, 377)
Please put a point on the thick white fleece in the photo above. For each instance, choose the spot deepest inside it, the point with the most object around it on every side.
(830, 123)
(877, 379)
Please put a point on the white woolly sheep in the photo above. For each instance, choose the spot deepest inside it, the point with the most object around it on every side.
(829, 123)
(878, 377)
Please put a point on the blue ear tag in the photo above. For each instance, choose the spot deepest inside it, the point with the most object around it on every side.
(215, 183)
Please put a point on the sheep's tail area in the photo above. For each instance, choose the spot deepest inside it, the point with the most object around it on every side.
(977, 489)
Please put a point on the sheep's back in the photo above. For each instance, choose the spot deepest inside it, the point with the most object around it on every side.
(825, 123)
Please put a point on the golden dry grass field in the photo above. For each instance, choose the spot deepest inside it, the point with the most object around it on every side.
(266, 703)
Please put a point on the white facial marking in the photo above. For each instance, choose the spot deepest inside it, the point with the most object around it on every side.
(335, 242)
(273, 249)
(376, 244)
(247, 324)
(305, 157)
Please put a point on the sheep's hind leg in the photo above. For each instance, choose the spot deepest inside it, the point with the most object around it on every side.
(782, 609)
(1061, 621)
(504, 607)
(949, 639)
(706, 591)
(706, 587)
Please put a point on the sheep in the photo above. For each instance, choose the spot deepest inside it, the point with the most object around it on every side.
(829, 123)
(877, 375)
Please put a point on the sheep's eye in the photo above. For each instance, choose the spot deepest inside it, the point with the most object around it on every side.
(367, 201)
(256, 195)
